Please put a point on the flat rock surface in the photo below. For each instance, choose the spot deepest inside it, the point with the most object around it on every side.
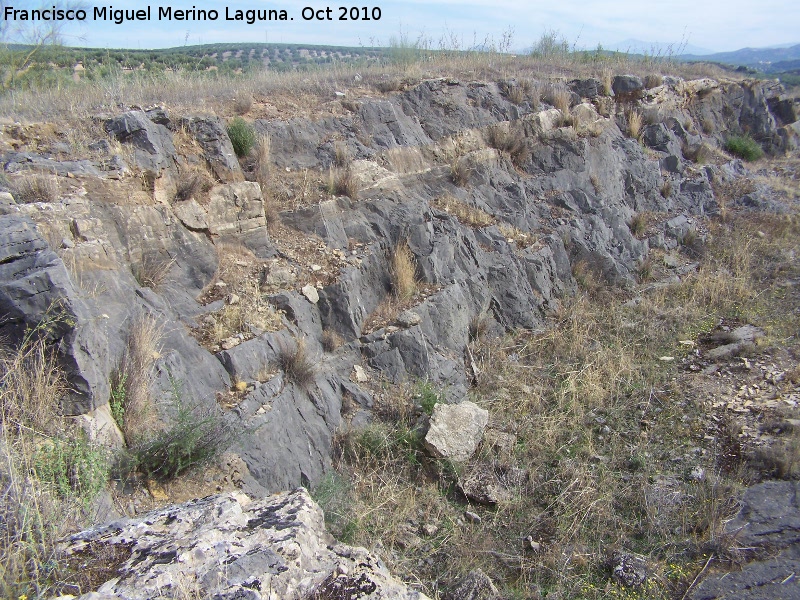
(769, 519)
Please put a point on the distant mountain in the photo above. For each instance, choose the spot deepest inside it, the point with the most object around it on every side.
(632, 46)
(768, 60)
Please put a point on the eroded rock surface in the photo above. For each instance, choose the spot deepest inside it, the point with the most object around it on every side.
(230, 546)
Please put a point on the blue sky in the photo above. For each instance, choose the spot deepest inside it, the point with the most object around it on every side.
(718, 25)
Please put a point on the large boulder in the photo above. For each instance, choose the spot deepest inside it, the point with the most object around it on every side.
(626, 85)
(232, 547)
(37, 294)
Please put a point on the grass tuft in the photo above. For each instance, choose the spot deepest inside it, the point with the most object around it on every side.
(744, 147)
(635, 122)
(296, 364)
(403, 271)
(242, 136)
(342, 182)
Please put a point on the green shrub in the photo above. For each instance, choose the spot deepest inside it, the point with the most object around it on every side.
(243, 136)
(428, 397)
(194, 436)
(744, 147)
(73, 466)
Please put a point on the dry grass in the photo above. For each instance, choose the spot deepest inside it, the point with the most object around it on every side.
(343, 182)
(131, 403)
(50, 472)
(403, 271)
(191, 185)
(242, 102)
(341, 155)
(304, 90)
(466, 214)
(36, 188)
(509, 140)
(152, 270)
(559, 96)
(331, 341)
(638, 224)
(607, 79)
(296, 364)
(635, 122)
(263, 176)
(600, 434)
(460, 172)
(653, 80)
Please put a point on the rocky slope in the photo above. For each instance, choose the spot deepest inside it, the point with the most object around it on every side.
(546, 191)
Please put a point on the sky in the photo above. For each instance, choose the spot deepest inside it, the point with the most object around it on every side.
(716, 25)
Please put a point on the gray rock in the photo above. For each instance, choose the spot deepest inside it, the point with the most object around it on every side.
(230, 546)
(212, 135)
(476, 585)
(769, 517)
(153, 147)
(482, 485)
(658, 137)
(586, 88)
(456, 430)
(629, 570)
(310, 292)
(626, 84)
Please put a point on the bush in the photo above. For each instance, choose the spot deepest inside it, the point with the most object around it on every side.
(36, 188)
(428, 397)
(195, 435)
(744, 147)
(73, 466)
(459, 173)
(242, 135)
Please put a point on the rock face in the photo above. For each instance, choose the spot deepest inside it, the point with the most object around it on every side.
(456, 430)
(570, 197)
(231, 547)
(212, 136)
(152, 142)
(770, 519)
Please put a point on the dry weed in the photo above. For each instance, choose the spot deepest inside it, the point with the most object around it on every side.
(36, 188)
(152, 270)
(403, 271)
(191, 185)
(296, 364)
(510, 141)
(242, 102)
(132, 403)
(635, 122)
(469, 215)
(343, 182)
(460, 172)
(331, 341)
